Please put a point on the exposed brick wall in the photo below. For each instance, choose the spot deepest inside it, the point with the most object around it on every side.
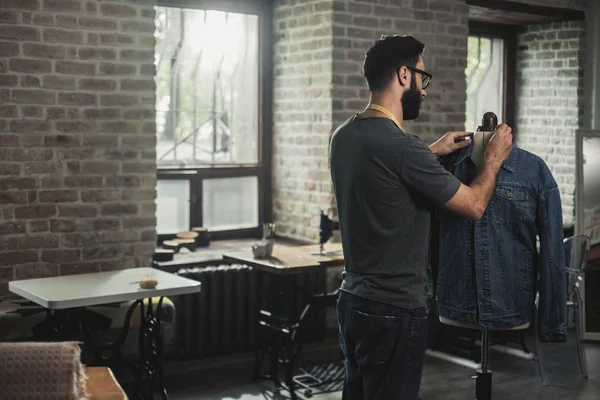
(554, 142)
(549, 99)
(302, 115)
(77, 136)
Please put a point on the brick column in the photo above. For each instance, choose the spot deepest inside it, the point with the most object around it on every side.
(77, 137)
(302, 115)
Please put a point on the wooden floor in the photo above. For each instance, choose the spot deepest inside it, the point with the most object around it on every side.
(513, 379)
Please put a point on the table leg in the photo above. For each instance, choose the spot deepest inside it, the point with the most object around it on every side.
(61, 325)
(52, 328)
(150, 369)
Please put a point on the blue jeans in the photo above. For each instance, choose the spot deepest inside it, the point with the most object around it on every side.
(384, 348)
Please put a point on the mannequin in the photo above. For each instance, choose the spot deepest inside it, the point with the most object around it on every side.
(505, 271)
(483, 390)
(481, 138)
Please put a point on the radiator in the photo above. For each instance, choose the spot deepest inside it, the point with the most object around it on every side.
(222, 318)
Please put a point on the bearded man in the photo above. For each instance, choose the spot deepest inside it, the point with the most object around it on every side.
(386, 183)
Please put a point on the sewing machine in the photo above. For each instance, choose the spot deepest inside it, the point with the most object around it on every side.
(326, 228)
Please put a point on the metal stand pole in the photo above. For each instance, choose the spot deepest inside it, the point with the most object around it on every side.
(483, 378)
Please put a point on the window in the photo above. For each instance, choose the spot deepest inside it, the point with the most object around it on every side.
(207, 88)
(485, 78)
(172, 205)
(490, 73)
(212, 81)
(230, 203)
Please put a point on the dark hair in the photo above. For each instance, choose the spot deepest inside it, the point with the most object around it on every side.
(386, 56)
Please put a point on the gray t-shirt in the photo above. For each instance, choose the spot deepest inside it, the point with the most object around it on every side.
(386, 184)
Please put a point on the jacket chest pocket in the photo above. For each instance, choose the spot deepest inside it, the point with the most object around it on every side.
(509, 204)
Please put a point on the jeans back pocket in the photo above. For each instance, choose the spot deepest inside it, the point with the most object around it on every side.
(373, 336)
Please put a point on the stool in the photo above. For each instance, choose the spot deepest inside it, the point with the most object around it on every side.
(277, 338)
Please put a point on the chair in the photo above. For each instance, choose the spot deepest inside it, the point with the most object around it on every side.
(282, 339)
(576, 250)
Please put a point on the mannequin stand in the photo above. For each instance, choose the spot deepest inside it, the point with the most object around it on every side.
(483, 377)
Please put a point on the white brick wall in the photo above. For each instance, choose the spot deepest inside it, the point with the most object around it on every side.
(549, 100)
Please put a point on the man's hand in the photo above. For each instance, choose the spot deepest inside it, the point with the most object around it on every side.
(450, 142)
(500, 145)
(472, 201)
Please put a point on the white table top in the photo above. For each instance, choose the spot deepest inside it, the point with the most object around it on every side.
(97, 288)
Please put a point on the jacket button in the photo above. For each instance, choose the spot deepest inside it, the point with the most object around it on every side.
(469, 286)
(509, 195)
(470, 252)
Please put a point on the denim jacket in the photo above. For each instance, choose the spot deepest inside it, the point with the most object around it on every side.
(488, 269)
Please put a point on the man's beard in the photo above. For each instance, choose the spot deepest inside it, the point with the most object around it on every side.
(411, 101)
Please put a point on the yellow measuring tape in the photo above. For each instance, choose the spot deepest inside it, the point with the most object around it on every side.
(387, 112)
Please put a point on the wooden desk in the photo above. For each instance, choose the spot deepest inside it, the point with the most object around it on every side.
(287, 260)
(280, 282)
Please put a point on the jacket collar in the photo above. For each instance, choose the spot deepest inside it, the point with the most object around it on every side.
(509, 164)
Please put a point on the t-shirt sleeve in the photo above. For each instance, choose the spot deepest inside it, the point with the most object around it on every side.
(421, 170)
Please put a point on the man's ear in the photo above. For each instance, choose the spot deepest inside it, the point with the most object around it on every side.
(404, 76)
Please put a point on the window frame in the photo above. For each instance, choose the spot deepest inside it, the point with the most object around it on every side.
(262, 169)
(509, 35)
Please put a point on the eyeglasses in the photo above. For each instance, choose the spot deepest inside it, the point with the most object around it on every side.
(425, 76)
